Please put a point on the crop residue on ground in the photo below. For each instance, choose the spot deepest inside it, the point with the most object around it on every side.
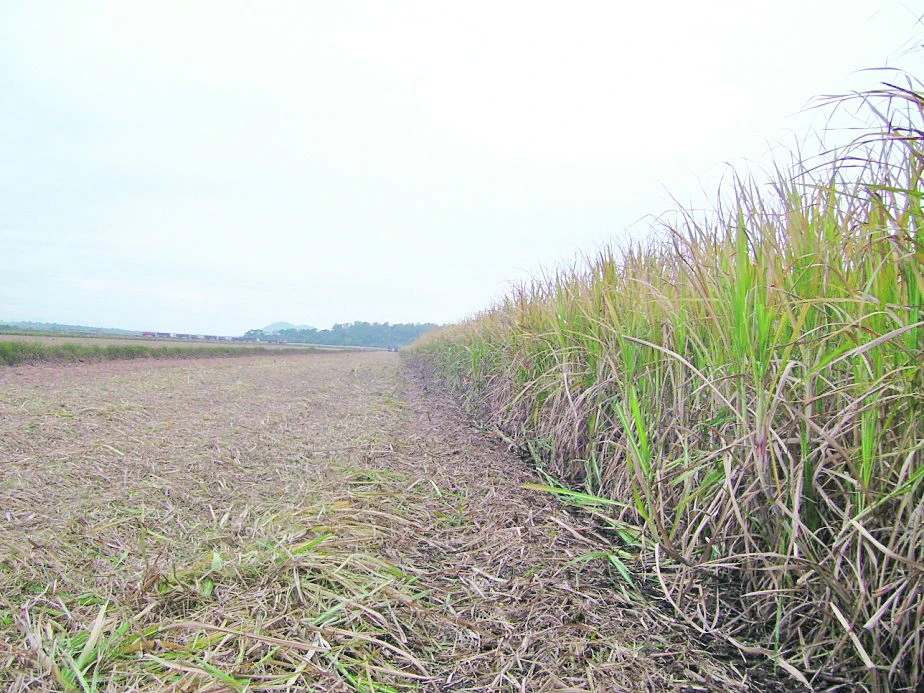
(318, 522)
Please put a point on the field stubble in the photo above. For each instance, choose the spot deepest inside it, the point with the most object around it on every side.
(310, 522)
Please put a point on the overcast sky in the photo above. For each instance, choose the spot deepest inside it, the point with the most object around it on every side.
(217, 166)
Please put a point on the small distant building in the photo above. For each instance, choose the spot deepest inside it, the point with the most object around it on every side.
(148, 334)
(163, 335)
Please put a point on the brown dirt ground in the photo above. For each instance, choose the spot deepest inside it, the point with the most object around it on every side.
(302, 522)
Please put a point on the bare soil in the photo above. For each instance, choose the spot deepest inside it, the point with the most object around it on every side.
(303, 522)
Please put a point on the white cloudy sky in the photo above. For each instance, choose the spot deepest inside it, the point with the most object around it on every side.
(216, 166)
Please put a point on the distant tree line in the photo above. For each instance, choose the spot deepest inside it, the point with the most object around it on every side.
(368, 334)
(56, 327)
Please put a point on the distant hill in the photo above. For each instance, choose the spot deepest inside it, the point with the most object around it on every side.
(58, 327)
(275, 327)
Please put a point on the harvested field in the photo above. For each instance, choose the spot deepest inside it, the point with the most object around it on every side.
(310, 522)
(128, 341)
(30, 350)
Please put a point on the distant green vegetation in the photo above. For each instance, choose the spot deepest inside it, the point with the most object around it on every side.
(366, 334)
(749, 386)
(57, 329)
(12, 353)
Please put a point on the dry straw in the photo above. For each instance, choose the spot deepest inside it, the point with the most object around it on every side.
(307, 524)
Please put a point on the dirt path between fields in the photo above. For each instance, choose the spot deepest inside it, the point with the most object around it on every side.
(314, 522)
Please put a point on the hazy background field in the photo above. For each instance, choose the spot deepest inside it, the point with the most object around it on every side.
(128, 341)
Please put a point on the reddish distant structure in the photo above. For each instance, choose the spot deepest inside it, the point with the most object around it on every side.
(148, 334)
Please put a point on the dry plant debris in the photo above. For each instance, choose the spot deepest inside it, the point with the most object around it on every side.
(303, 522)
